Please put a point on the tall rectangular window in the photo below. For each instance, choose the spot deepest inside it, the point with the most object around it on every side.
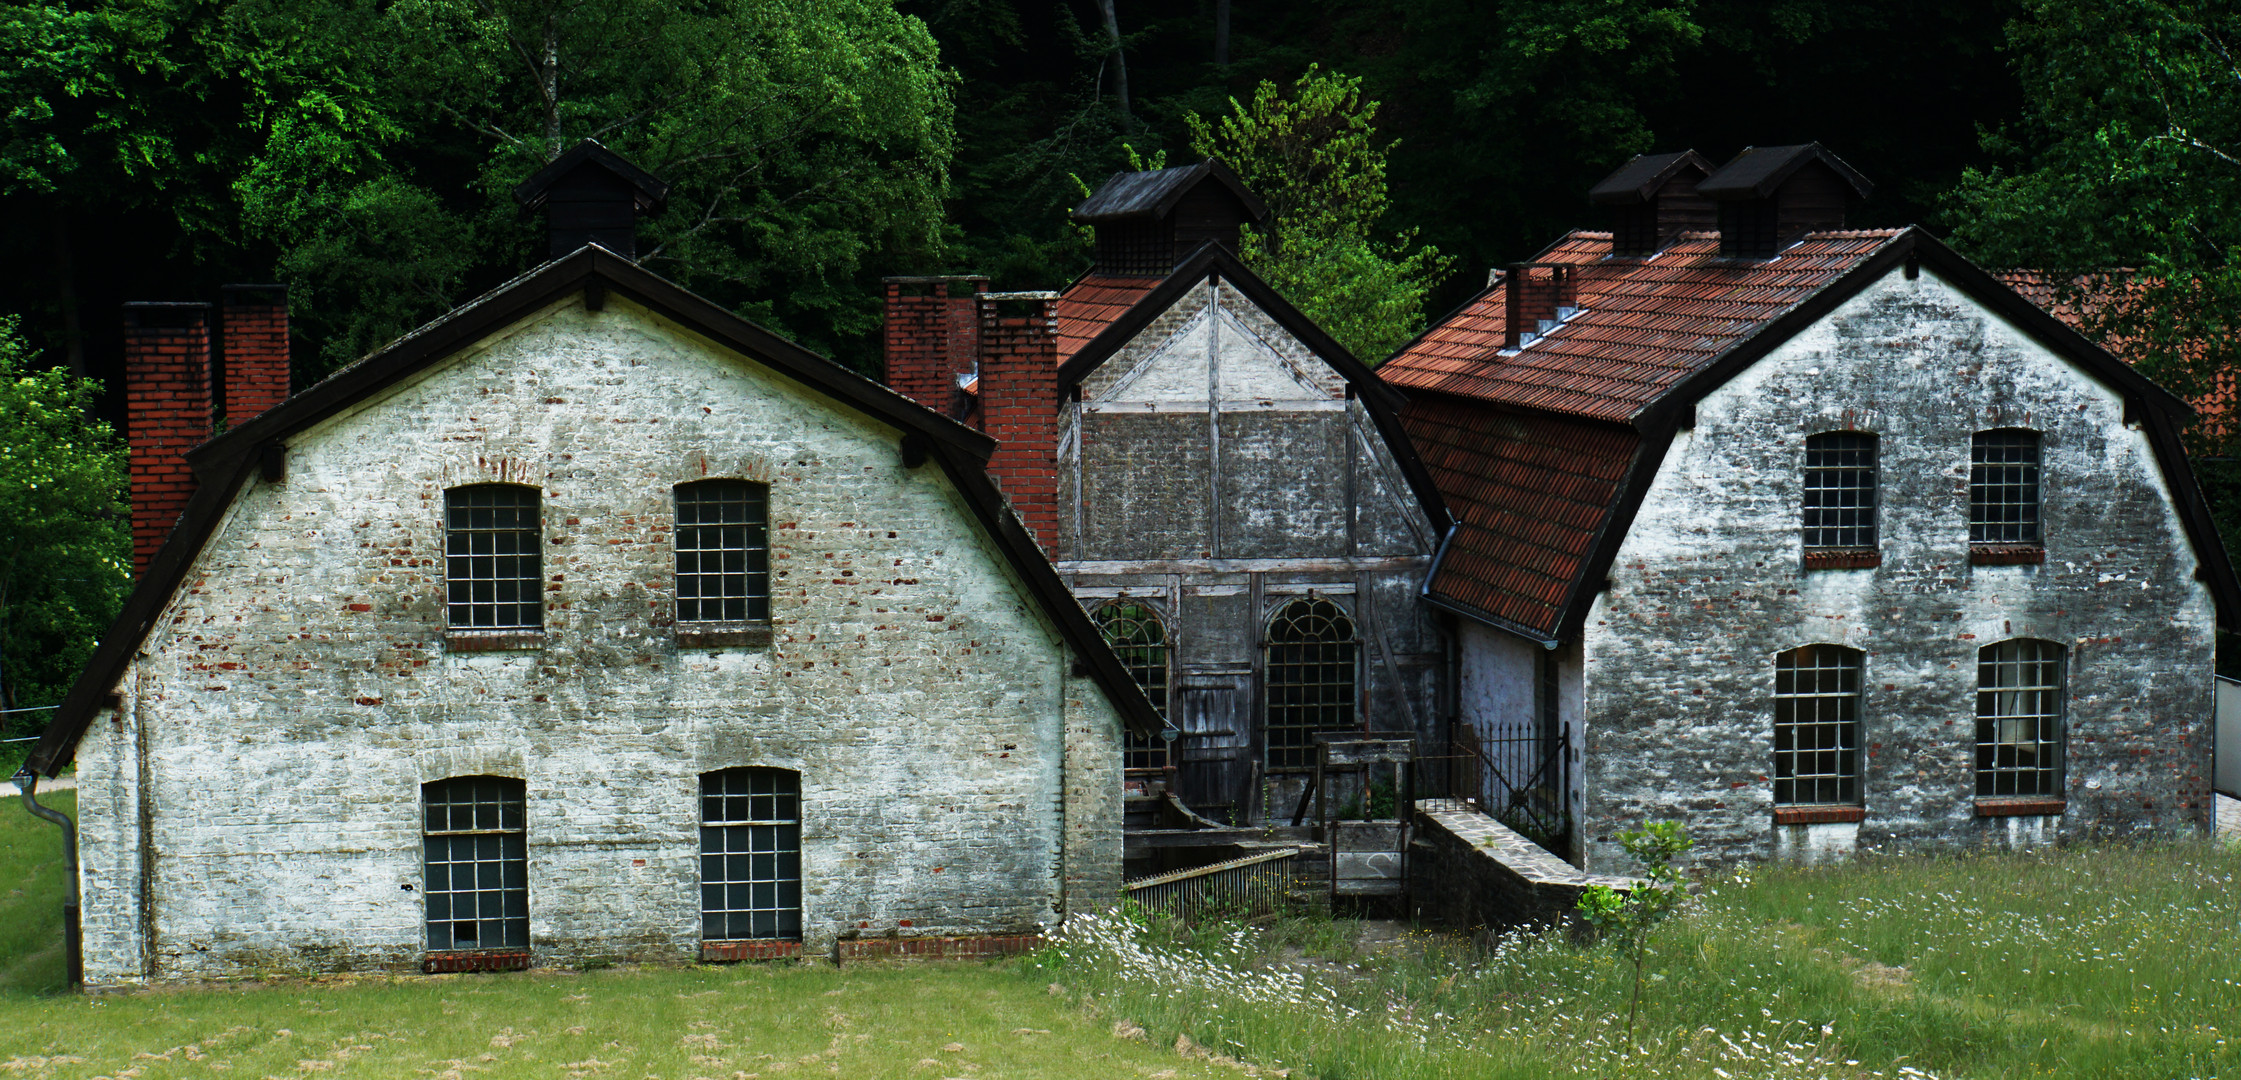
(493, 560)
(475, 863)
(1817, 726)
(1840, 491)
(2019, 719)
(750, 855)
(2004, 487)
(723, 552)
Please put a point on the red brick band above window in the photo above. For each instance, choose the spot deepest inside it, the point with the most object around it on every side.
(1843, 559)
(2019, 807)
(2006, 555)
(1818, 815)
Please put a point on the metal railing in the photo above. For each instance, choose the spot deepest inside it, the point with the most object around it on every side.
(1254, 885)
(1521, 780)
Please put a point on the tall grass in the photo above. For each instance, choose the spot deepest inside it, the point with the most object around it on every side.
(2113, 963)
(31, 884)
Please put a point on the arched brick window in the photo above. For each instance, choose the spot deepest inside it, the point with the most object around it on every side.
(475, 863)
(493, 558)
(750, 855)
(1817, 726)
(1310, 680)
(1139, 639)
(2019, 689)
(723, 552)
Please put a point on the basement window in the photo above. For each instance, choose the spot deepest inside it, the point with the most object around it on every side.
(2004, 525)
(475, 864)
(1840, 498)
(1311, 678)
(1817, 726)
(493, 560)
(2019, 721)
(1139, 639)
(723, 563)
(750, 855)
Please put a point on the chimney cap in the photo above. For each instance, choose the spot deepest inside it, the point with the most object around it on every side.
(1758, 170)
(648, 192)
(1638, 180)
(1152, 194)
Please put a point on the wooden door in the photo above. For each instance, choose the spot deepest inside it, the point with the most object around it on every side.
(1214, 771)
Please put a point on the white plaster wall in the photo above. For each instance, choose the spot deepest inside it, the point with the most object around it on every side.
(1707, 588)
(298, 691)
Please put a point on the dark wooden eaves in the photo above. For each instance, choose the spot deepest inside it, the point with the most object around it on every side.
(1758, 170)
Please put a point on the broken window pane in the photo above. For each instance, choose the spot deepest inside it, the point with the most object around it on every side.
(475, 863)
(2019, 719)
(750, 854)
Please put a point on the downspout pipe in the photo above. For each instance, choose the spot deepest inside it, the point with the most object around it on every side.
(72, 941)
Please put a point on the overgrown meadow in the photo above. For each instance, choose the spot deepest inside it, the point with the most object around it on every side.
(2087, 963)
(2121, 963)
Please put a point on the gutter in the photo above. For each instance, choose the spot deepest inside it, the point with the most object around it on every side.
(72, 941)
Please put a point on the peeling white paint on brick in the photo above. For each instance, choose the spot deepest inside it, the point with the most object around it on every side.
(956, 779)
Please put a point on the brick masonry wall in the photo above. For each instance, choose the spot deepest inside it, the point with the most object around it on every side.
(1708, 587)
(254, 807)
(1019, 408)
(167, 413)
(930, 338)
(256, 356)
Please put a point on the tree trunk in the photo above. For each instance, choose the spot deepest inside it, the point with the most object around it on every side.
(552, 86)
(73, 336)
(1120, 62)
(1221, 33)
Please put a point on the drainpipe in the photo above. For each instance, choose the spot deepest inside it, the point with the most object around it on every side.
(28, 783)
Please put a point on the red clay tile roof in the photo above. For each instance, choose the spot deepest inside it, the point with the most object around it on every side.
(1088, 306)
(1644, 324)
(2215, 408)
(1529, 492)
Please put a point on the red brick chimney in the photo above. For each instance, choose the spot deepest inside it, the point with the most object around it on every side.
(1533, 294)
(255, 332)
(167, 413)
(932, 337)
(1019, 405)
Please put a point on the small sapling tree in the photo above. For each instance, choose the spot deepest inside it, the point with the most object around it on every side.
(1627, 917)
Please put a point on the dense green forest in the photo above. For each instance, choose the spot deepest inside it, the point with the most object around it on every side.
(364, 151)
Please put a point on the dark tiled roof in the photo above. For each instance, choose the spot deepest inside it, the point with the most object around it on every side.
(1090, 305)
(1645, 324)
(1529, 492)
(1758, 170)
(1637, 180)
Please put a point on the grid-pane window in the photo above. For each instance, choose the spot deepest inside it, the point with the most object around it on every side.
(723, 552)
(1840, 490)
(1140, 641)
(492, 558)
(2004, 487)
(475, 863)
(1310, 680)
(2019, 718)
(750, 855)
(1817, 726)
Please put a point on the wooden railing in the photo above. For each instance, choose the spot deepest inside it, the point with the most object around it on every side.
(1254, 885)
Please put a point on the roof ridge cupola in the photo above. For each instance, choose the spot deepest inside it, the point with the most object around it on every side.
(1769, 196)
(590, 195)
(1653, 200)
(1148, 222)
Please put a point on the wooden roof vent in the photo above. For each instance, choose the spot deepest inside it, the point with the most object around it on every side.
(590, 195)
(1653, 199)
(1148, 222)
(1769, 196)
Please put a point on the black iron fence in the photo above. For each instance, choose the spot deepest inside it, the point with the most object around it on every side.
(1522, 779)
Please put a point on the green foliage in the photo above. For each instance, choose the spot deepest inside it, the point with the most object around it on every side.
(31, 957)
(2128, 156)
(1313, 156)
(65, 535)
(1627, 918)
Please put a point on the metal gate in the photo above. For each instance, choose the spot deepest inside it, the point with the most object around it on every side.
(1521, 777)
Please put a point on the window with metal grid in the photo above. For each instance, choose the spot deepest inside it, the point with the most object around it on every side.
(2004, 487)
(723, 552)
(2019, 718)
(493, 560)
(750, 855)
(475, 863)
(1840, 490)
(1139, 639)
(1817, 726)
(1310, 680)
